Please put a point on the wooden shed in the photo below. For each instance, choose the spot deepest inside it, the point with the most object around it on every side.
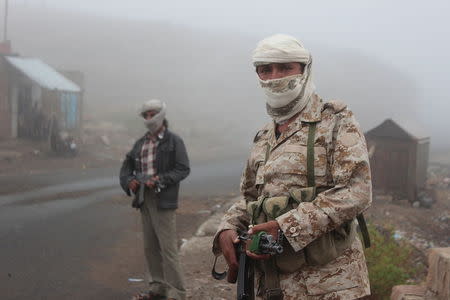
(399, 158)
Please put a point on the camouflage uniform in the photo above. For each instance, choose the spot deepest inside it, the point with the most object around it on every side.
(341, 161)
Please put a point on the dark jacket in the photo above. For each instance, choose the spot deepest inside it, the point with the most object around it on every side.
(172, 166)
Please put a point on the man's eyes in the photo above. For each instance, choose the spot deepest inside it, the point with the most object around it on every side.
(286, 67)
(265, 70)
(269, 69)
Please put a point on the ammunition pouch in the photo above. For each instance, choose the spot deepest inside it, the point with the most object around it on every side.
(331, 244)
(320, 251)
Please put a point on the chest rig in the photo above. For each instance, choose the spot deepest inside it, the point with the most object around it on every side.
(321, 251)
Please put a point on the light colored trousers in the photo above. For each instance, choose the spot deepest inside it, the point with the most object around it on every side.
(161, 249)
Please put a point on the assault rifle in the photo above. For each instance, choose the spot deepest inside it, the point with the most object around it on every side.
(261, 243)
(139, 197)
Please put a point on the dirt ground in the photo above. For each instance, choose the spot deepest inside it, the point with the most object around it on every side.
(424, 228)
(197, 258)
(34, 157)
(197, 220)
(27, 157)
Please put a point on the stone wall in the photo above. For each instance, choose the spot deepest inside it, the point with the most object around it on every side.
(437, 286)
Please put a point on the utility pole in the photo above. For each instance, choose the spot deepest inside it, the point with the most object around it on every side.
(5, 27)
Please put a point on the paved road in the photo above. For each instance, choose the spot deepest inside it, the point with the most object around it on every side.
(64, 235)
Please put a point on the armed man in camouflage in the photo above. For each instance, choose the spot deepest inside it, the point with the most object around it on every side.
(308, 178)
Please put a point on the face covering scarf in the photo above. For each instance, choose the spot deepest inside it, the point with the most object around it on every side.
(288, 95)
(155, 123)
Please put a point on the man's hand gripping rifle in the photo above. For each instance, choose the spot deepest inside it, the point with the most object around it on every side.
(260, 243)
(143, 181)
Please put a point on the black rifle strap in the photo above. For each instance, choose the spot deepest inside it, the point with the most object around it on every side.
(215, 274)
(364, 231)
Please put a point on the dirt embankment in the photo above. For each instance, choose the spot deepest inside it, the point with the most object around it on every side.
(423, 227)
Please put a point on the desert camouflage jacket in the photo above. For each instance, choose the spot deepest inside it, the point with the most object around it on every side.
(340, 162)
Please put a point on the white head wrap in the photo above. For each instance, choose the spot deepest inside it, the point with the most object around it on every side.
(157, 120)
(288, 95)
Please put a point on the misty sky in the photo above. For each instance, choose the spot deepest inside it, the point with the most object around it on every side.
(411, 36)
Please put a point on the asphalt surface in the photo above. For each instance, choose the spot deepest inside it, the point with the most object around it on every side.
(66, 234)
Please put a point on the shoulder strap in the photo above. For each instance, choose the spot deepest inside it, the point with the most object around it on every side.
(310, 154)
(364, 231)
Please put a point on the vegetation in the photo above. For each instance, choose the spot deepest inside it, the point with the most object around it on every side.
(390, 262)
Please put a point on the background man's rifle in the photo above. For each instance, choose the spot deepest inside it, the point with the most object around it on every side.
(139, 197)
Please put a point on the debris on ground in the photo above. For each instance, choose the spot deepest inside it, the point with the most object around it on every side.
(438, 176)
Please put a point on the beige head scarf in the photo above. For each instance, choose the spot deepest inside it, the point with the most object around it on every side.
(155, 123)
(288, 95)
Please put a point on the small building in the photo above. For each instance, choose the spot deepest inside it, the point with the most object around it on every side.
(35, 98)
(399, 158)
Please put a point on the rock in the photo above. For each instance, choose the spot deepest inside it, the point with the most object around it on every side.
(425, 199)
(183, 242)
(105, 140)
(408, 292)
(426, 202)
(416, 204)
(209, 227)
(438, 279)
(444, 218)
(195, 244)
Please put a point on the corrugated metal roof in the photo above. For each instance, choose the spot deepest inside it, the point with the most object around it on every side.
(43, 74)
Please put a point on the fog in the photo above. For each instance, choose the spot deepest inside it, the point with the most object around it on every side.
(384, 59)
(68, 230)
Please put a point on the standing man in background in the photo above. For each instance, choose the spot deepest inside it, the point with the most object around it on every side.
(152, 170)
(307, 178)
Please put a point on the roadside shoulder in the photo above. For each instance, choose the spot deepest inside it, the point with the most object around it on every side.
(197, 260)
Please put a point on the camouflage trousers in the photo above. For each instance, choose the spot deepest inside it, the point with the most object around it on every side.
(161, 249)
(318, 283)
